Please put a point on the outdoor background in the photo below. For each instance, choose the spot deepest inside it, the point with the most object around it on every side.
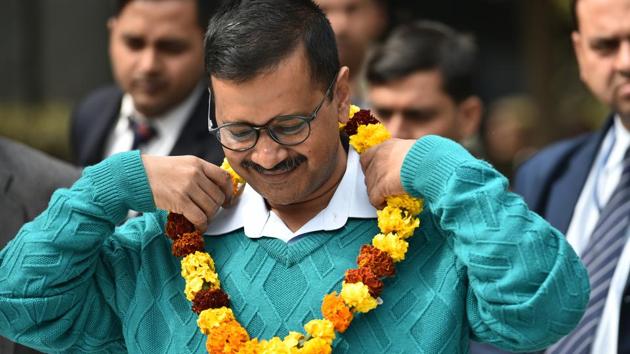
(53, 52)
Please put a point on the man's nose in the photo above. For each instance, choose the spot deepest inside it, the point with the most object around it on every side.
(268, 153)
(149, 60)
(395, 125)
(622, 60)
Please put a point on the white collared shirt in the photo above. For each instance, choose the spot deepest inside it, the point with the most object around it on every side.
(602, 180)
(250, 212)
(168, 126)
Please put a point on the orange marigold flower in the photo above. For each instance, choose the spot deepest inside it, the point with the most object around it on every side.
(334, 309)
(381, 264)
(188, 243)
(229, 337)
(362, 117)
(176, 225)
(210, 299)
(366, 276)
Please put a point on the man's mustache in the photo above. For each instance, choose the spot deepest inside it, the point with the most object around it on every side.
(284, 165)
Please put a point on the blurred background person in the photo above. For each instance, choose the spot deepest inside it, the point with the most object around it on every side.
(357, 25)
(421, 81)
(160, 102)
(509, 132)
(27, 180)
(582, 185)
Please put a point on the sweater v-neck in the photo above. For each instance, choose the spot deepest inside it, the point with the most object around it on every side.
(296, 250)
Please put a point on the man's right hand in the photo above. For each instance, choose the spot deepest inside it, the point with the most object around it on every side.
(188, 185)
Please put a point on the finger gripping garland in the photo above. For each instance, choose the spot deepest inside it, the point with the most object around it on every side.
(360, 290)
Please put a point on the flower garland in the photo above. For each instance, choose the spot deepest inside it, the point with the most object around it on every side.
(360, 290)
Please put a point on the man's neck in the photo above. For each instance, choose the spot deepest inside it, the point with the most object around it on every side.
(297, 215)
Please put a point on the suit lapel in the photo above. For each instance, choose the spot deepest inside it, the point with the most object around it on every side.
(104, 121)
(567, 188)
(195, 139)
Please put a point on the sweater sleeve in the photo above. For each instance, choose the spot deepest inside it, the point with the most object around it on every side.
(527, 287)
(57, 276)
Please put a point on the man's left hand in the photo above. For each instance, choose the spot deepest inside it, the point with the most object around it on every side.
(381, 166)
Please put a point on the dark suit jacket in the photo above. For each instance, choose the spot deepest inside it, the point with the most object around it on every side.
(95, 117)
(27, 180)
(551, 183)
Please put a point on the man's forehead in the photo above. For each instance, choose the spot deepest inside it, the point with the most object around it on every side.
(603, 17)
(178, 13)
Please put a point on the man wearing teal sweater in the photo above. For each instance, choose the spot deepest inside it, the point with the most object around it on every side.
(480, 266)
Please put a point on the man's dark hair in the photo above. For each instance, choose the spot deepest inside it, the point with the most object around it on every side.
(424, 46)
(574, 18)
(205, 9)
(248, 38)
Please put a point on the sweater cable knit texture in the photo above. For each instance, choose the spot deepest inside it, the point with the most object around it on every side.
(480, 266)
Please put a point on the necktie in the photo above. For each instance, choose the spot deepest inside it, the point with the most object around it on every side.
(143, 132)
(600, 258)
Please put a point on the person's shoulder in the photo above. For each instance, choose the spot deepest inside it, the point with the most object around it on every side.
(554, 154)
(101, 95)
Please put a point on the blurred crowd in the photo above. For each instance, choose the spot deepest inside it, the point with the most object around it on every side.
(417, 75)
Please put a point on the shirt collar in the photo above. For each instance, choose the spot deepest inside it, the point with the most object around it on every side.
(621, 140)
(250, 212)
(169, 121)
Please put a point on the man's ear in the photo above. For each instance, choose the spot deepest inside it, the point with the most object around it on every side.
(469, 117)
(341, 96)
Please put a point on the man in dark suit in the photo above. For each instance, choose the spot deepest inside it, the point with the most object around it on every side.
(27, 180)
(581, 186)
(160, 104)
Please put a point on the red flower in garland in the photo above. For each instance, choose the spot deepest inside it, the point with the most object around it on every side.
(362, 117)
(177, 225)
(210, 299)
(188, 243)
(367, 277)
(381, 264)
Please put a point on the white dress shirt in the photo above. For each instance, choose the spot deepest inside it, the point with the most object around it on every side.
(250, 212)
(602, 180)
(168, 127)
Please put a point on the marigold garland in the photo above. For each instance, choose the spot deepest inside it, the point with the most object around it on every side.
(360, 290)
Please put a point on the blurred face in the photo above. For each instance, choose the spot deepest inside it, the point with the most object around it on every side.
(356, 24)
(602, 47)
(286, 175)
(416, 105)
(156, 49)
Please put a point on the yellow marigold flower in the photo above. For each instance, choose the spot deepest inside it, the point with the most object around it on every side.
(392, 244)
(323, 329)
(273, 346)
(316, 346)
(357, 296)
(353, 109)
(192, 288)
(412, 205)
(193, 263)
(197, 269)
(293, 339)
(236, 179)
(392, 219)
(212, 318)
(368, 136)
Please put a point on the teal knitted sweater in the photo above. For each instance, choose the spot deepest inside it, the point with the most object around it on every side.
(480, 266)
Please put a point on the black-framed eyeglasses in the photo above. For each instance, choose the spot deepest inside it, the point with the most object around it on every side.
(288, 130)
